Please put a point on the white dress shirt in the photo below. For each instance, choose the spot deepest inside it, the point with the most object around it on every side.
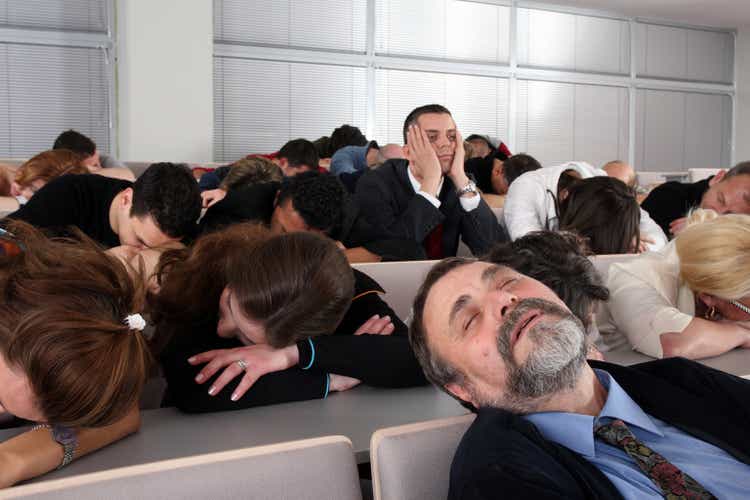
(468, 203)
(530, 203)
(647, 298)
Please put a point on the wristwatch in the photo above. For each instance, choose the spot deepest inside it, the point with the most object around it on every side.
(469, 188)
(65, 437)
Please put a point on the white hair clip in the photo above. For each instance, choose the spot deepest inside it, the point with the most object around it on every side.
(135, 322)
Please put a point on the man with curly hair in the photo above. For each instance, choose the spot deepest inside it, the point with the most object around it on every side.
(310, 201)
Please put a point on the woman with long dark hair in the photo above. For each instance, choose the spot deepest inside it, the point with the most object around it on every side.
(284, 316)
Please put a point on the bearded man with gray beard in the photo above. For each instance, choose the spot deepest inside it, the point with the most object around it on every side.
(551, 424)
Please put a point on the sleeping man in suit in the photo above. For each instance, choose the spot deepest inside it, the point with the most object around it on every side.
(428, 197)
(551, 424)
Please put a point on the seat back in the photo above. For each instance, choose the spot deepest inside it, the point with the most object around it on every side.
(302, 470)
(400, 280)
(412, 462)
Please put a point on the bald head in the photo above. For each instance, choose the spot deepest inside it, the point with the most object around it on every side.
(622, 171)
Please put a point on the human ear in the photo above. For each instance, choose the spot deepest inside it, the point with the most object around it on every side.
(717, 178)
(460, 392)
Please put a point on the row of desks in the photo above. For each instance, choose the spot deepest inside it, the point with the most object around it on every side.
(358, 413)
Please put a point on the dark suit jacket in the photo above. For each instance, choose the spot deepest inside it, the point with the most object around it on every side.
(256, 203)
(388, 201)
(503, 455)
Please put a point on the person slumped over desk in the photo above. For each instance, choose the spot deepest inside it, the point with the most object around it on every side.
(284, 314)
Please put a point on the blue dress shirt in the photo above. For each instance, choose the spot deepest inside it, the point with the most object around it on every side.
(712, 467)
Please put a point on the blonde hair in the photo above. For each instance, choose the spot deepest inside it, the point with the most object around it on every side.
(714, 254)
(253, 170)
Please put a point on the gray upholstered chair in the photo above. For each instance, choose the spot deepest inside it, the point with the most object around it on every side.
(412, 462)
(310, 469)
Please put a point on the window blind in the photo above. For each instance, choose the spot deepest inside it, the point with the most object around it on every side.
(479, 105)
(680, 130)
(572, 42)
(47, 89)
(70, 15)
(321, 24)
(259, 105)
(559, 122)
(443, 29)
(685, 54)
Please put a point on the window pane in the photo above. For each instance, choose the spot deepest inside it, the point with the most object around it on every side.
(259, 105)
(559, 122)
(76, 15)
(479, 105)
(572, 42)
(321, 24)
(686, 54)
(45, 90)
(680, 130)
(443, 29)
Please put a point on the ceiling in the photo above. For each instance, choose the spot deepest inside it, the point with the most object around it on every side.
(717, 13)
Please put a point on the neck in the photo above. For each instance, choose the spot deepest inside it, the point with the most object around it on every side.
(587, 397)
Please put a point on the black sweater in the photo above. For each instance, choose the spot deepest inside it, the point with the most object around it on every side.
(672, 200)
(82, 201)
(378, 360)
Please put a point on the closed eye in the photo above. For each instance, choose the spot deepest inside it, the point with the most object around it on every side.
(471, 321)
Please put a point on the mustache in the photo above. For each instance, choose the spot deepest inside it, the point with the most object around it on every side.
(522, 307)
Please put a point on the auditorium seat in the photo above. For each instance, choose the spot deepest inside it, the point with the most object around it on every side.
(412, 462)
(301, 470)
(401, 280)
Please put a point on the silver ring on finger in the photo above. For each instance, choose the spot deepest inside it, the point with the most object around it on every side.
(242, 364)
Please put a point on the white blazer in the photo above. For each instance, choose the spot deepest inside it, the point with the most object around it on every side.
(530, 205)
(647, 298)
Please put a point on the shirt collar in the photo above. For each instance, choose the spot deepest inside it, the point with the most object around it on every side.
(576, 431)
(417, 186)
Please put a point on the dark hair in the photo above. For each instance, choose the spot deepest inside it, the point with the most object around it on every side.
(517, 165)
(742, 168)
(483, 138)
(323, 146)
(481, 169)
(300, 153)
(297, 284)
(435, 369)
(76, 142)
(604, 210)
(346, 135)
(318, 198)
(557, 259)
(62, 322)
(169, 193)
(423, 110)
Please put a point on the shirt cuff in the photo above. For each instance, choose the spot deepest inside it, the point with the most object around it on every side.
(469, 204)
(430, 198)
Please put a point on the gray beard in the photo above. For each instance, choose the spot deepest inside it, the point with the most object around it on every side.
(552, 367)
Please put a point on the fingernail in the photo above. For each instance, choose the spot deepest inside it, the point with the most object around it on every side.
(212, 390)
(199, 377)
(191, 360)
(235, 397)
(387, 317)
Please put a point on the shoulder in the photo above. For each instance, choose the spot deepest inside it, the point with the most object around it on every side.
(390, 172)
(365, 284)
(497, 447)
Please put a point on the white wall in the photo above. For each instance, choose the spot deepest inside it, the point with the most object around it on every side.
(742, 139)
(165, 80)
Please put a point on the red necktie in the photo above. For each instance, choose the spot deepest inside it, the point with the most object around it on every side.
(433, 244)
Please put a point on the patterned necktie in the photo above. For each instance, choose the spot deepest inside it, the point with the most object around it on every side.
(673, 483)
